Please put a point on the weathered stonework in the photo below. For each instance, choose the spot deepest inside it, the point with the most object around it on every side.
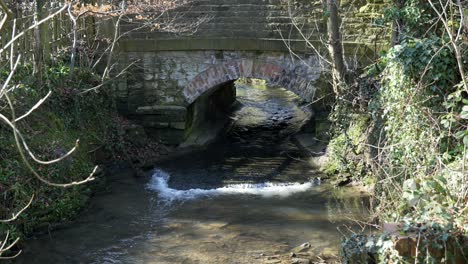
(178, 78)
(240, 38)
(276, 69)
(164, 83)
(267, 19)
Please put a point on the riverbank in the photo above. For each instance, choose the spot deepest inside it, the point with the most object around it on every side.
(68, 119)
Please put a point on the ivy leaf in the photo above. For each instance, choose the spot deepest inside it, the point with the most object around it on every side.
(439, 188)
(442, 179)
(459, 134)
(464, 113)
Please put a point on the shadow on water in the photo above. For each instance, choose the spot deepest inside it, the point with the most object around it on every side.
(246, 196)
(256, 147)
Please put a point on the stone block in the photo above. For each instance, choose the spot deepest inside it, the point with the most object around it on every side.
(163, 113)
(407, 245)
(160, 108)
(178, 125)
(148, 122)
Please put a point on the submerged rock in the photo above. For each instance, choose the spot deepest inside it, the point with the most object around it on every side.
(300, 261)
(302, 248)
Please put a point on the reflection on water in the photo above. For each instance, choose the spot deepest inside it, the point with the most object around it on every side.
(249, 196)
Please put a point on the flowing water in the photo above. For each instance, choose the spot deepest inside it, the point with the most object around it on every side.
(248, 196)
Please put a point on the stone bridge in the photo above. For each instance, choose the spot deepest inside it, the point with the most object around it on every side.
(180, 80)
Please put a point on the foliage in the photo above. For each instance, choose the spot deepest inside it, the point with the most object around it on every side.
(51, 130)
(408, 102)
(415, 17)
(421, 155)
(416, 134)
(55, 47)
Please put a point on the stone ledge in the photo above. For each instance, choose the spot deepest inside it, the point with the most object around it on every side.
(262, 45)
(142, 45)
(162, 116)
(160, 109)
(159, 125)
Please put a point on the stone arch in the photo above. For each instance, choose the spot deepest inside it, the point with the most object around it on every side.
(229, 71)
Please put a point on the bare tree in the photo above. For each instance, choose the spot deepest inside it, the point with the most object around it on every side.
(397, 26)
(21, 144)
(147, 12)
(332, 58)
(335, 45)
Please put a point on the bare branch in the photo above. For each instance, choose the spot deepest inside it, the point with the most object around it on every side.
(8, 13)
(37, 105)
(453, 40)
(109, 80)
(308, 42)
(25, 160)
(12, 244)
(3, 90)
(74, 32)
(15, 215)
(111, 52)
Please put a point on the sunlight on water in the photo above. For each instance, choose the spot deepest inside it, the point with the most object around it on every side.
(246, 199)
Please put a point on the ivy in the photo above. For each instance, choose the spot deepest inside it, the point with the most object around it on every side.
(415, 15)
(418, 112)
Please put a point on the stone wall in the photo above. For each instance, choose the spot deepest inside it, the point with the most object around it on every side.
(160, 87)
(241, 38)
(265, 19)
(360, 19)
(233, 19)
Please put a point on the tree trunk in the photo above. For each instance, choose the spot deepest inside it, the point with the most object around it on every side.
(397, 27)
(38, 51)
(335, 45)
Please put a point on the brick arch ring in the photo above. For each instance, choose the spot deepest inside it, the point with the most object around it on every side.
(272, 73)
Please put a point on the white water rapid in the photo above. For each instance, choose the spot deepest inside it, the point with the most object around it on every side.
(160, 179)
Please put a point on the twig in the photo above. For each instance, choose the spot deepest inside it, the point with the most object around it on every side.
(15, 215)
(109, 80)
(8, 14)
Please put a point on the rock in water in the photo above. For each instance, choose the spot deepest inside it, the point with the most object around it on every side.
(302, 248)
(300, 261)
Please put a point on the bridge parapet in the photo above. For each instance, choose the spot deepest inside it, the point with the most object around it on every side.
(233, 19)
(258, 23)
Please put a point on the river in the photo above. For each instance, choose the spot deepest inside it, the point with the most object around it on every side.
(246, 198)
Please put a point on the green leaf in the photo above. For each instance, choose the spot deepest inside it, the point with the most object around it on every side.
(464, 114)
(442, 179)
(460, 134)
(465, 140)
